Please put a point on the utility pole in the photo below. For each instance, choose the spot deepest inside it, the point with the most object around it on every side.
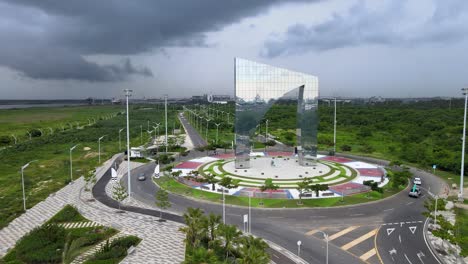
(71, 162)
(217, 130)
(22, 183)
(99, 146)
(120, 144)
(127, 95)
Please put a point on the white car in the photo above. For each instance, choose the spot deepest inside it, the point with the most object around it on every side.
(417, 181)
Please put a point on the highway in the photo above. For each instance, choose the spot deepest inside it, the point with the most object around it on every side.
(387, 231)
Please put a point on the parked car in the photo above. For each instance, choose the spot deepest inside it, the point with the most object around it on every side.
(415, 192)
(417, 181)
(141, 177)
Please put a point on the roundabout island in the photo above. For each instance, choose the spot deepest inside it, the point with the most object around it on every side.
(338, 177)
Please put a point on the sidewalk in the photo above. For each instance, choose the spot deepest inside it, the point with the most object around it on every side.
(161, 242)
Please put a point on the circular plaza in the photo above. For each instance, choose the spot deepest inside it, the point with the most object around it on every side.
(341, 176)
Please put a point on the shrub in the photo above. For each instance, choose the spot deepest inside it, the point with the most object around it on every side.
(114, 251)
(346, 148)
(42, 245)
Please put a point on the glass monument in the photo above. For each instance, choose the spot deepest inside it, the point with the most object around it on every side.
(257, 87)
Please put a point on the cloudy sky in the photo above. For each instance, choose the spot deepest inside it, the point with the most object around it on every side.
(82, 48)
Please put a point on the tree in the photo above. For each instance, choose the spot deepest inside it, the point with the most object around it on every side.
(253, 251)
(318, 187)
(211, 179)
(268, 185)
(303, 187)
(176, 174)
(229, 183)
(194, 231)
(119, 193)
(230, 234)
(200, 255)
(162, 201)
(213, 223)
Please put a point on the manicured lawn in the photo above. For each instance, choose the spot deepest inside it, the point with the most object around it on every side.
(176, 187)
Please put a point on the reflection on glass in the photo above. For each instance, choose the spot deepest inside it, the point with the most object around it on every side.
(257, 87)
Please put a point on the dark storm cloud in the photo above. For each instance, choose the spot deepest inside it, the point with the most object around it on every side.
(50, 39)
(361, 25)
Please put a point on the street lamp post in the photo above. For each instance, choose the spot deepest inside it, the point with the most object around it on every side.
(325, 236)
(71, 162)
(206, 131)
(250, 213)
(435, 209)
(165, 111)
(334, 131)
(13, 135)
(127, 95)
(217, 130)
(462, 173)
(141, 134)
(266, 134)
(120, 144)
(22, 183)
(99, 147)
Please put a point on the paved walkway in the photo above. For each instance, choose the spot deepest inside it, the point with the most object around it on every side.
(161, 241)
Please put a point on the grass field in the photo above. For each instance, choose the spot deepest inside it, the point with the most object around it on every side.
(174, 186)
(461, 230)
(51, 171)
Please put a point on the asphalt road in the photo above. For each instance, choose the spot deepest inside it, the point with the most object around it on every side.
(361, 233)
(197, 140)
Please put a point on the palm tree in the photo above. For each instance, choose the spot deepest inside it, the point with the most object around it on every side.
(200, 255)
(194, 219)
(253, 251)
(230, 234)
(213, 222)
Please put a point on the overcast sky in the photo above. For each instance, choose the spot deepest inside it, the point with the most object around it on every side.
(88, 48)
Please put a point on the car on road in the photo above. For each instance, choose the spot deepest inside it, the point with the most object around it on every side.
(415, 192)
(417, 181)
(141, 177)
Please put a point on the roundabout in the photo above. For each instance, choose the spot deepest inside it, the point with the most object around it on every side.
(341, 176)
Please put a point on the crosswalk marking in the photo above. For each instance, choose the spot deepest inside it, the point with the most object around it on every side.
(313, 231)
(342, 232)
(368, 254)
(359, 239)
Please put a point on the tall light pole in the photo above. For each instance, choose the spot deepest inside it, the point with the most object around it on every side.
(325, 236)
(165, 111)
(206, 131)
(120, 144)
(462, 172)
(22, 183)
(334, 131)
(127, 95)
(71, 162)
(13, 135)
(250, 212)
(266, 134)
(217, 130)
(99, 147)
(30, 136)
(141, 134)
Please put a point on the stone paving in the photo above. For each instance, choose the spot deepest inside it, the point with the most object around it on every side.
(161, 241)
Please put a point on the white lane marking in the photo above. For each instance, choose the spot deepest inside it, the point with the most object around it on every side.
(408, 259)
(420, 255)
(409, 203)
(399, 238)
(388, 209)
(412, 229)
(427, 245)
(390, 230)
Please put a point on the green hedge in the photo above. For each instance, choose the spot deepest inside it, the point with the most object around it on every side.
(114, 251)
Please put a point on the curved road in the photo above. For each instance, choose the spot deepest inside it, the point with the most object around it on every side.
(387, 231)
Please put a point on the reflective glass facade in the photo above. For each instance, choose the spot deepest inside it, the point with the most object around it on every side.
(257, 87)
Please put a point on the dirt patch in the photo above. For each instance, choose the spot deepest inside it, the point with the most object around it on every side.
(91, 155)
(41, 166)
(86, 148)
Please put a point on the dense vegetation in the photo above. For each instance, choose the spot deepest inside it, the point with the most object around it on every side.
(113, 252)
(208, 240)
(51, 171)
(51, 243)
